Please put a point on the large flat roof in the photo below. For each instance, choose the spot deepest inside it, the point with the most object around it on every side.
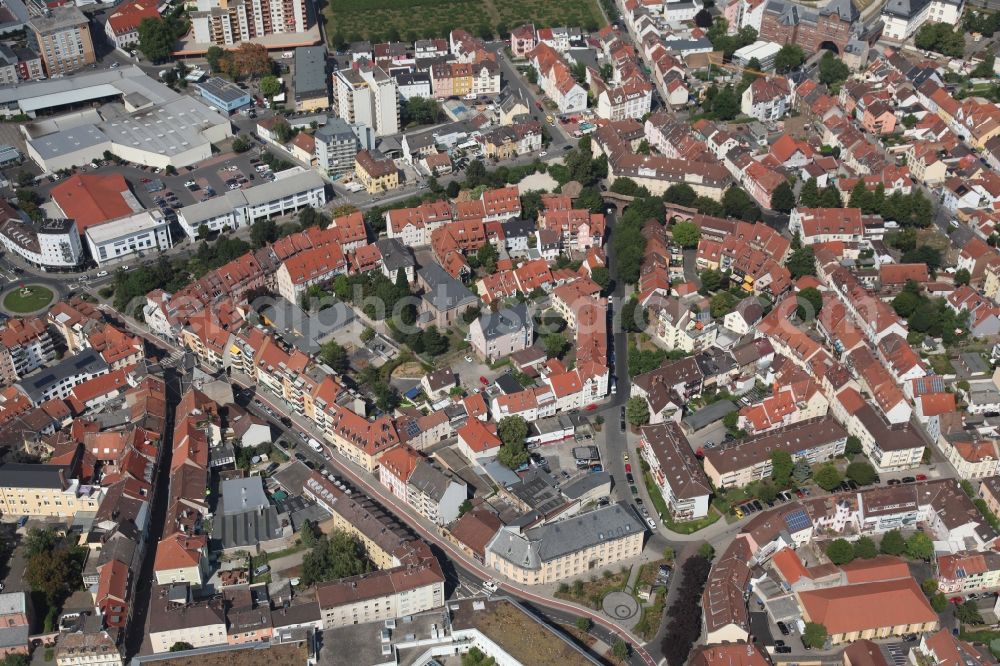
(125, 226)
(68, 141)
(286, 183)
(310, 70)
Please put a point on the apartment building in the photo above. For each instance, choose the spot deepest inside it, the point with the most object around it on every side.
(376, 173)
(676, 471)
(122, 27)
(229, 22)
(148, 231)
(316, 266)
(52, 243)
(175, 620)
(19, 64)
(367, 96)
(25, 345)
(336, 147)
(44, 490)
(80, 648)
(62, 35)
(572, 547)
(740, 462)
(967, 572)
(495, 335)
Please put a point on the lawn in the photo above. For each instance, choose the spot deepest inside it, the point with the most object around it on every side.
(378, 20)
(28, 299)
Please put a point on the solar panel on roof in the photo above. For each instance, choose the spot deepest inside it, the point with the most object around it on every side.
(797, 520)
(412, 429)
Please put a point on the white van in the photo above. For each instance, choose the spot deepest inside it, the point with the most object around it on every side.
(314, 445)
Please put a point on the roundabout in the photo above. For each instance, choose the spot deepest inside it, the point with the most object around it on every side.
(27, 299)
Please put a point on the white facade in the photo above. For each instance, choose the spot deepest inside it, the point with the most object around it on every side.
(229, 23)
(625, 102)
(127, 236)
(53, 243)
(901, 18)
(292, 189)
(367, 97)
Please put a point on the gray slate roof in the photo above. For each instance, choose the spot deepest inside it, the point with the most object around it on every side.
(443, 291)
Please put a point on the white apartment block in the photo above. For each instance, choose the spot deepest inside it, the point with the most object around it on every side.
(225, 23)
(902, 18)
(291, 190)
(367, 96)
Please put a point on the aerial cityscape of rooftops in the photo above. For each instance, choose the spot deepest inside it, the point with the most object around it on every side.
(391, 333)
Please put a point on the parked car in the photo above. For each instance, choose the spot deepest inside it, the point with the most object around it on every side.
(261, 570)
(921, 477)
(784, 649)
(629, 478)
(783, 628)
(909, 479)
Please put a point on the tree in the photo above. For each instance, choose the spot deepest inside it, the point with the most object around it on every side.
(263, 231)
(475, 174)
(711, 280)
(788, 58)
(241, 144)
(706, 551)
(801, 262)
(583, 624)
(861, 473)
(737, 203)
(962, 277)
(55, 573)
(681, 194)
(939, 602)
(555, 344)
(589, 199)
(840, 551)
(270, 86)
(452, 189)
(248, 60)
(853, 446)
(930, 587)
(726, 104)
(620, 650)
(434, 343)
(942, 38)
(512, 431)
(781, 467)
(487, 257)
(919, 546)
(157, 37)
(181, 646)
(335, 356)
(213, 55)
(637, 411)
(420, 111)
(686, 234)
(865, 548)
(633, 316)
(892, 543)
(722, 304)
(783, 198)
(814, 636)
(703, 19)
(968, 613)
(335, 555)
(832, 69)
(601, 276)
(801, 472)
(810, 301)
(827, 477)
(283, 133)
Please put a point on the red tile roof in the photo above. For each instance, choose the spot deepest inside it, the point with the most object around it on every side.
(91, 199)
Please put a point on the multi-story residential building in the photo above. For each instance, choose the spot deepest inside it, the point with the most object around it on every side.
(460, 79)
(902, 18)
(200, 624)
(14, 623)
(227, 23)
(743, 461)
(555, 551)
(25, 345)
(676, 471)
(44, 490)
(556, 78)
(63, 38)
(989, 491)
(681, 328)
(496, 335)
(973, 456)
(413, 226)
(767, 98)
(19, 64)
(291, 190)
(84, 648)
(316, 266)
(49, 243)
(376, 173)
(122, 27)
(60, 379)
(889, 447)
(367, 96)
(632, 99)
(826, 225)
(182, 558)
(336, 147)
(967, 572)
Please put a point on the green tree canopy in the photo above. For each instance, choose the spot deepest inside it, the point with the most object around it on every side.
(801, 262)
(788, 58)
(865, 548)
(783, 198)
(686, 234)
(840, 551)
(892, 543)
(919, 546)
(810, 300)
(861, 473)
(637, 411)
(815, 635)
(334, 556)
(781, 467)
(828, 477)
(512, 431)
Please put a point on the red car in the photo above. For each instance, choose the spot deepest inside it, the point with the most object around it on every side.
(591, 407)
(482, 380)
(957, 600)
(628, 469)
(921, 477)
